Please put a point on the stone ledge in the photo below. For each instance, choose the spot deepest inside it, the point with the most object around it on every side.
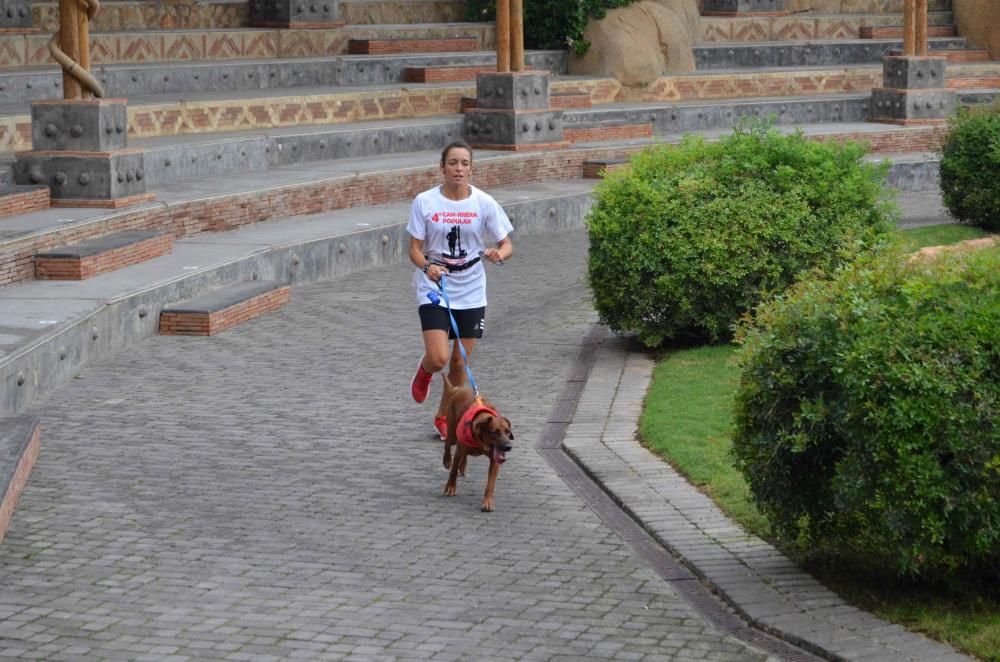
(102, 254)
(216, 311)
(20, 438)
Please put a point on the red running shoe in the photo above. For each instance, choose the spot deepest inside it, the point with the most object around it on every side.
(421, 383)
(441, 425)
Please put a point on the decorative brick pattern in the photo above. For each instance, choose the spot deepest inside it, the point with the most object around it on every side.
(83, 267)
(398, 46)
(444, 74)
(8, 500)
(23, 199)
(121, 16)
(210, 323)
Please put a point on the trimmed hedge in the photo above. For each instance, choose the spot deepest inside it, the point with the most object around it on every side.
(555, 24)
(970, 167)
(867, 421)
(692, 236)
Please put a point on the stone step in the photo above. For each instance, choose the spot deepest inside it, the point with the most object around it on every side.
(191, 45)
(144, 15)
(798, 54)
(215, 113)
(216, 311)
(15, 199)
(101, 254)
(229, 76)
(557, 101)
(229, 202)
(860, 6)
(407, 46)
(802, 26)
(20, 439)
(173, 158)
(964, 55)
(896, 31)
(444, 74)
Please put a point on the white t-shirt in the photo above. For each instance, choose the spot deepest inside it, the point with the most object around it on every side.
(455, 232)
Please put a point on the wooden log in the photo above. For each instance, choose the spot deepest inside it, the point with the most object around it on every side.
(69, 42)
(516, 35)
(503, 36)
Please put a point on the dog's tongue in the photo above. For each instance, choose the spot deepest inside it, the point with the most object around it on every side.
(499, 456)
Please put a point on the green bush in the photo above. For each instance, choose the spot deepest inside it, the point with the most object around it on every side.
(554, 24)
(867, 421)
(970, 167)
(693, 236)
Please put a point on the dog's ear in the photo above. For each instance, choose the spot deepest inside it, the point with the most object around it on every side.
(477, 426)
(510, 428)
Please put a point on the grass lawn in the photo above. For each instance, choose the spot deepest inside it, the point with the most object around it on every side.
(687, 420)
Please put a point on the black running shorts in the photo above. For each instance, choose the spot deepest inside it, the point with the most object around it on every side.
(471, 322)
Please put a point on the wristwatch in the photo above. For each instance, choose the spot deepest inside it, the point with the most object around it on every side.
(427, 266)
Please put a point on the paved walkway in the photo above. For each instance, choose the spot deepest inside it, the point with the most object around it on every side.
(273, 493)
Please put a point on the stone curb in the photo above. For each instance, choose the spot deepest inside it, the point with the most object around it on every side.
(750, 575)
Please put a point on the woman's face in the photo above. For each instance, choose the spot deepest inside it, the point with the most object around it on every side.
(457, 166)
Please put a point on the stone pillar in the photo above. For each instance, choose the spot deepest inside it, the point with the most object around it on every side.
(738, 7)
(914, 89)
(15, 17)
(302, 14)
(513, 110)
(79, 149)
(79, 143)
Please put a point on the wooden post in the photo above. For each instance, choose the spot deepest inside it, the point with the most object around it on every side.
(69, 42)
(83, 38)
(503, 36)
(921, 30)
(909, 27)
(516, 35)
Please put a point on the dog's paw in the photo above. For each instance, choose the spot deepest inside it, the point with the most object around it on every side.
(488, 506)
(450, 490)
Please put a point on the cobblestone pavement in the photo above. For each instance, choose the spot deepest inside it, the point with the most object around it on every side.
(273, 493)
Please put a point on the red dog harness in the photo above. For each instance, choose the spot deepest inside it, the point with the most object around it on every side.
(464, 431)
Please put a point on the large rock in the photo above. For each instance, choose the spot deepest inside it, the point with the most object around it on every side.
(979, 21)
(639, 43)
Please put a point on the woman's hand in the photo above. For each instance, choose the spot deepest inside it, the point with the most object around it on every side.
(435, 271)
(493, 255)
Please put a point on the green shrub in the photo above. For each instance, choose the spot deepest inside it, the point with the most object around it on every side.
(554, 24)
(693, 236)
(867, 421)
(970, 167)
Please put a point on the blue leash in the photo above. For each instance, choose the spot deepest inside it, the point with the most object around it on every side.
(435, 299)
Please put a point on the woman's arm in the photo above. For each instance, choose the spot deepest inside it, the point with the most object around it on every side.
(433, 271)
(503, 251)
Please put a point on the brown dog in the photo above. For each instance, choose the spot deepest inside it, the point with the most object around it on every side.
(474, 428)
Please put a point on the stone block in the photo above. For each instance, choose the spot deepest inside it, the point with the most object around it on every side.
(744, 6)
(15, 15)
(294, 13)
(512, 91)
(84, 175)
(80, 125)
(912, 105)
(900, 72)
(513, 127)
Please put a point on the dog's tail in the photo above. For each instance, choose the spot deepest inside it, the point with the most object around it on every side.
(449, 388)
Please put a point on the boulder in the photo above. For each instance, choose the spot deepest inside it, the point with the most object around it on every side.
(639, 43)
